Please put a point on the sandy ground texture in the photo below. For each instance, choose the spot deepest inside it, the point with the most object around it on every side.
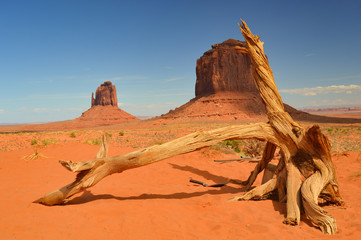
(156, 201)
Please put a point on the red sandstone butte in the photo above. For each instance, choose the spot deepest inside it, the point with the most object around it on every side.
(104, 108)
(105, 95)
(225, 90)
(222, 69)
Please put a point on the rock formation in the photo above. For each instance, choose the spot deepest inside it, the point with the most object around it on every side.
(104, 108)
(104, 111)
(225, 90)
(222, 69)
(105, 95)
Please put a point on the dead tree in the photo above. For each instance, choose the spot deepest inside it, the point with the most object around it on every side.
(304, 173)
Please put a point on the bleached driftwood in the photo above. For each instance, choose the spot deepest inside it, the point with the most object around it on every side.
(304, 173)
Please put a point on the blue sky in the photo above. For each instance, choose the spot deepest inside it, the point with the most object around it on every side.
(53, 54)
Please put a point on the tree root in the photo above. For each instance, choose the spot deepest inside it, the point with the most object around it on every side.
(259, 192)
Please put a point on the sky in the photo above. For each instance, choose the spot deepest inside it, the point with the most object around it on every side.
(54, 54)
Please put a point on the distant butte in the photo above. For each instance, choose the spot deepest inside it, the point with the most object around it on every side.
(225, 90)
(104, 111)
(105, 95)
(104, 108)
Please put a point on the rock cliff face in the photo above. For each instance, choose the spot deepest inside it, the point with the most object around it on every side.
(105, 95)
(225, 89)
(222, 69)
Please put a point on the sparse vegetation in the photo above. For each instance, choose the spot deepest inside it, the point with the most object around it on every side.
(94, 141)
(330, 130)
(253, 147)
(344, 138)
(45, 142)
(159, 142)
(73, 135)
(33, 142)
(34, 156)
(121, 133)
(357, 174)
(233, 144)
(248, 147)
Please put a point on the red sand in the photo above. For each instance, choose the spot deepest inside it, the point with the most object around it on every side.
(156, 201)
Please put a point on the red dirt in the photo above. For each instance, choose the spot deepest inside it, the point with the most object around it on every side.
(223, 106)
(156, 201)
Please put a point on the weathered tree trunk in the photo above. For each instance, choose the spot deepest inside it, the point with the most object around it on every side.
(304, 173)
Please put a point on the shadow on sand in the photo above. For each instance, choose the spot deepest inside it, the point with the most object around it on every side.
(87, 196)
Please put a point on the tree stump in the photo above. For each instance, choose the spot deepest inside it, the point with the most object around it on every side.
(304, 173)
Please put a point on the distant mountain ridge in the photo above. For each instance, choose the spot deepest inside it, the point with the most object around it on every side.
(330, 109)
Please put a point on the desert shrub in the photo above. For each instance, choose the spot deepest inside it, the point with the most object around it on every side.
(228, 147)
(94, 141)
(233, 144)
(357, 174)
(48, 141)
(33, 142)
(121, 133)
(253, 147)
(110, 135)
(247, 147)
(34, 156)
(159, 141)
(330, 130)
(72, 134)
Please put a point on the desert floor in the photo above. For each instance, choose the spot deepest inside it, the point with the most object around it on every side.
(157, 201)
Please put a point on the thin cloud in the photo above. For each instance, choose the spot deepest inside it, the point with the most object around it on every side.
(309, 54)
(57, 96)
(50, 97)
(323, 90)
(54, 110)
(173, 79)
(2, 111)
(37, 110)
